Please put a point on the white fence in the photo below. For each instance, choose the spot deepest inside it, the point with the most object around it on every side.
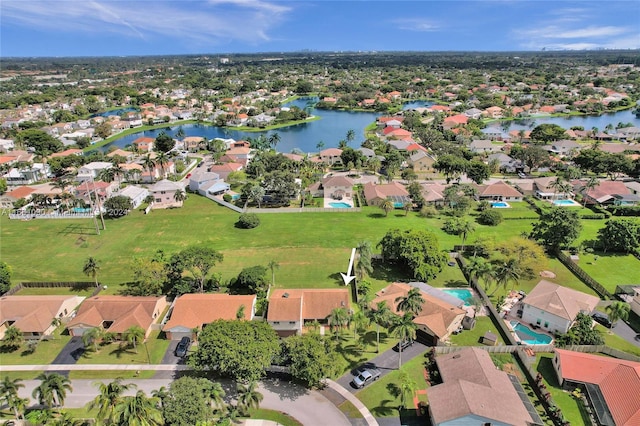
(71, 215)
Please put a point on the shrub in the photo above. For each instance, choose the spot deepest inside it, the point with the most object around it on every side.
(490, 217)
(227, 197)
(428, 211)
(248, 221)
(118, 206)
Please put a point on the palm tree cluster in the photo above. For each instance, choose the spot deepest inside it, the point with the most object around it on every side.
(116, 409)
(500, 272)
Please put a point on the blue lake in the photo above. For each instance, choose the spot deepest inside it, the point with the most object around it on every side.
(333, 126)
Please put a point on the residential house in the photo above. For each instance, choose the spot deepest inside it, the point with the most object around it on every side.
(6, 145)
(116, 314)
(33, 315)
(554, 308)
(144, 144)
(164, 194)
(367, 153)
(422, 162)
(376, 194)
(399, 145)
(159, 171)
(331, 156)
(193, 143)
(193, 311)
(493, 133)
(68, 152)
(337, 187)
(87, 191)
(454, 121)
(610, 385)
(207, 183)
(393, 133)
(224, 170)
(493, 112)
(498, 191)
(543, 188)
(91, 170)
(563, 147)
(473, 113)
(29, 174)
(289, 309)
(242, 155)
(127, 155)
(474, 392)
(437, 319)
(433, 193)
(633, 186)
(137, 194)
(607, 192)
(480, 146)
(8, 198)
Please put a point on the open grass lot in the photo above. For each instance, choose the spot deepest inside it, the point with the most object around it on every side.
(617, 342)
(571, 407)
(312, 247)
(382, 397)
(354, 354)
(116, 353)
(611, 269)
(472, 337)
(45, 352)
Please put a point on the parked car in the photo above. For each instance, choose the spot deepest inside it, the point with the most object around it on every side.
(602, 318)
(365, 377)
(404, 345)
(183, 347)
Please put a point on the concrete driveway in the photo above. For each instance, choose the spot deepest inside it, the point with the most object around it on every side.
(622, 329)
(171, 359)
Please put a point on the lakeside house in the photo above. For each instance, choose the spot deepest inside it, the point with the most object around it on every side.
(164, 194)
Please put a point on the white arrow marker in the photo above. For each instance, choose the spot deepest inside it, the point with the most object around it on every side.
(348, 277)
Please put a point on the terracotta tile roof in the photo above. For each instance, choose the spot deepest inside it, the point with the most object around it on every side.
(66, 153)
(21, 192)
(498, 189)
(560, 301)
(337, 181)
(124, 311)
(331, 152)
(473, 387)
(618, 380)
(437, 315)
(144, 140)
(317, 304)
(373, 191)
(193, 310)
(606, 189)
(33, 314)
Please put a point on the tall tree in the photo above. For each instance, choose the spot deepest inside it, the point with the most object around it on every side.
(618, 311)
(338, 319)
(187, 401)
(592, 183)
(272, 265)
(408, 387)
(248, 396)
(12, 339)
(381, 316)
(505, 272)
(9, 395)
(133, 335)
(179, 196)
(313, 358)
(557, 227)
(91, 268)
(363, 262)
(52, 390)
(403, 328)
(416, 249)
(138, 410)
(110, 395)
(199, 260)
(387, 206)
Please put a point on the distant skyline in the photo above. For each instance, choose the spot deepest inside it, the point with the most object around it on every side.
(145, 27)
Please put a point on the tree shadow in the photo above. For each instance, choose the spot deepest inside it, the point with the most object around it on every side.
(385, 409)
(336, 277)
(387, 271)
(456, 283)
(376, 215)
(285, 389)
(75, 229)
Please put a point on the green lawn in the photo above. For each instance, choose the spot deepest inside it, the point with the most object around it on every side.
(617, 342)
(354, 354)
(45, 352)
(115, 353)
(611, 269)
(382, 397)
(281, 418)
(472, 337)
(571, 407)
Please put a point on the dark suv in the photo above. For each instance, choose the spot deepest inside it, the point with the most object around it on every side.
(183, 347)
(602, 318)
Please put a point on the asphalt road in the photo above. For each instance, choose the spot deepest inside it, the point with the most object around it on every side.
(623, 330)
(307, 406)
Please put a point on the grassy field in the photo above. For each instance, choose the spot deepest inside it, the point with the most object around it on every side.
(610, 269)
(472, 337)
(150, 352)
(45, 352)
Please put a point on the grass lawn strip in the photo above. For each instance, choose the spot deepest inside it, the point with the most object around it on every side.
(118, 353)
(610, 269)
(281, 418)
(472, 337)
(45, 352)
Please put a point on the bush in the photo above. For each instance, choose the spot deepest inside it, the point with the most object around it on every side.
(248, 221)
(118, 206)
(227, 197)
(428, 211)
(490, 217)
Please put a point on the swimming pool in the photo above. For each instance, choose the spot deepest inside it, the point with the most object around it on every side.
(81, 210)
(461, 293)
(529, 336)
(500, 205)
(337, 205)
(565, 203)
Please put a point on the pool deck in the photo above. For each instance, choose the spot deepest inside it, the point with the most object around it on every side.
(518, 339)
(346, 200)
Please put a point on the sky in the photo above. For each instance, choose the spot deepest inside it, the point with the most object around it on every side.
(150, 27)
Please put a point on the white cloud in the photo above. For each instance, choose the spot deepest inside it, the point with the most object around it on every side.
(416, 24)
(558, 32)
(210, 22)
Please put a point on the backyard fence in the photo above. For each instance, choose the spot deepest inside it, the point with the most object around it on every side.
(74, 285)
(67, 215)
(225, 204)
(304, 210)
(584, 277)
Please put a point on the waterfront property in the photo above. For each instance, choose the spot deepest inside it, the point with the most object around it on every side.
(553, 307)
(474, 392)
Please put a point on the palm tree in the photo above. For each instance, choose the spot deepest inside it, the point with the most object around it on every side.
(403, 329)
(162, 160)
(109, 397)
(272, 265)
(363, 263)
(617, 311)
(338, 319)
(588, 186)
(91, 268)
(52, 390)
(133, 335)
(149, 163)
(66, 419)
(557, 184)
(407, 386)
(407, 208)
(381, 316)
(360, 323)
(216, 395)
(320, 145)
(118, 172)
(162, 393)
(55, 323)
(92, 336)
(351, 135)
(476, 268)
(274, 139)
(180, 133)
(179, 196)
(387, 206)
(9, 394)
(12, 338)
(465, 228)
(507, 271)
(411, 303)
(138, 410)
(107, 175)
(248, 396)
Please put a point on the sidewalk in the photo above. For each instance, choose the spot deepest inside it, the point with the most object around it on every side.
(94, 367)
(368, 417)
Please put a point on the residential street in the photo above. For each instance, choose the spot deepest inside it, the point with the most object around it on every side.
(623, 330)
